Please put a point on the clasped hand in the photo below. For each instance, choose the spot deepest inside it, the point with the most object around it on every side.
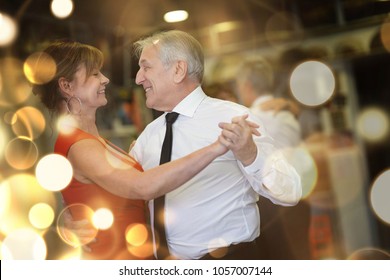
(237, 136)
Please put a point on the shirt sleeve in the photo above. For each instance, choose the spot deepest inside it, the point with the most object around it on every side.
(271, 175)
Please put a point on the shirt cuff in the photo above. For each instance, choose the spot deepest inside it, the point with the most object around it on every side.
(256, 165)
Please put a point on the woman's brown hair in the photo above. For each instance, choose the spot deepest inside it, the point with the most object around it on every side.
(68, 57)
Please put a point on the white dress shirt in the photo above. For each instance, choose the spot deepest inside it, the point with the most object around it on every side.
(217, 207)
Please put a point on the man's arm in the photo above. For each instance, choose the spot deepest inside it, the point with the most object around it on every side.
(267, 170)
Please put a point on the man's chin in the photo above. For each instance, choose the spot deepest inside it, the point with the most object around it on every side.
(149, 104)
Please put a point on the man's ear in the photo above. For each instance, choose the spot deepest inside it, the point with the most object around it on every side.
(181, 69)
(65, 86)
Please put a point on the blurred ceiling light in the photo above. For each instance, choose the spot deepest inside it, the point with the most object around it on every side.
(62, 8)
(8, 30)
(176, 16)
(226, 26)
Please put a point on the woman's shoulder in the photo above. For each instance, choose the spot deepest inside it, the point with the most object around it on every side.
(67, 138)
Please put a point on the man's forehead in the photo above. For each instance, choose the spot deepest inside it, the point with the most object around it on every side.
(148, 53)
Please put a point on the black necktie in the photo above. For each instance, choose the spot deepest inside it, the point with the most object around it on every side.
(159, 203)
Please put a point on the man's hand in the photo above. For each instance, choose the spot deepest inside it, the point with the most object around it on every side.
(237, 136)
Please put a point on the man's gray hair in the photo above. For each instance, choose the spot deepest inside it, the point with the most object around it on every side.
(176, 45)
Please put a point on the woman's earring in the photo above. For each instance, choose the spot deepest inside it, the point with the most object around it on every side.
(72, 109)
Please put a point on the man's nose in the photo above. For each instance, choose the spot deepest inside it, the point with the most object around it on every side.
(139, 78)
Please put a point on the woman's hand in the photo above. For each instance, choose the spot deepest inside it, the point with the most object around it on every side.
(77, 233)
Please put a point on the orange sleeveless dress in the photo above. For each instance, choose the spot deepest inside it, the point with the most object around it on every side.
(111, 243)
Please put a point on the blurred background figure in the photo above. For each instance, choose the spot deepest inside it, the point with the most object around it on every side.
(284, 230)
(254, 81)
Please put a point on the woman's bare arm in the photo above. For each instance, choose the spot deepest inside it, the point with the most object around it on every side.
(90, 163)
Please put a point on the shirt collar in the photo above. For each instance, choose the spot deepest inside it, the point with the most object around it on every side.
(190, 103)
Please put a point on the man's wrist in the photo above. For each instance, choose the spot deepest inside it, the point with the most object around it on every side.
(250, 157)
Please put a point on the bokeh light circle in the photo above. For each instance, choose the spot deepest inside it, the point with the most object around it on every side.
(24, 244)
(379, 196)
(369, 254)
(29, 122)
(39, 68)
(41, 215)
(136, 234)
(103, 218)
(54, 172)
(21, 153)
(3, 139)
(373, 124)
(10, 118)
(66, 124)
(8, 29)
(81, 230)
(19, 193)
(62, 8)
(138, 240)
(312, 83)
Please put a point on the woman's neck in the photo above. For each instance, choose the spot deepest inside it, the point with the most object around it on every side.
(88, 124)
(86, 120)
